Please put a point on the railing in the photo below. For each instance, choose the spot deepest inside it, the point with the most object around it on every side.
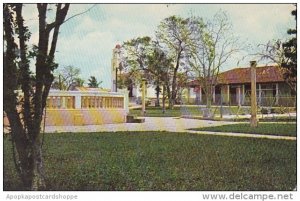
(101, 102)
(57, 102)
(286, 101)
(87, 100)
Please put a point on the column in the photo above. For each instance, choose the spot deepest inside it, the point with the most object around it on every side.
(277, 94)
(143, 96)
(63, 102)
(200, 94)
(126, 101)
(50, 102)
(188, 94)
(238, 95)
(227, 93)
(259, 94)
(214, 94)
(253, 120)
(77, 102)
(243, 94)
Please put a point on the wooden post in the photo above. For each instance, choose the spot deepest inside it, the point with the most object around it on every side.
(253, 120)
(143, 96)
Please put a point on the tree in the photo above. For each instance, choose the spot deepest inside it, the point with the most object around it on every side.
(284, 54)
(134, 55)
(159, 65)
(212, 44)
(290, 53)
(67, 77)
(79, 82)
(93, 82)
(144, 58)
(25, 116)
(174, 33)
(135, 60)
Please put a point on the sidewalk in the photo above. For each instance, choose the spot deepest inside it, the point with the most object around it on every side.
(170, 124)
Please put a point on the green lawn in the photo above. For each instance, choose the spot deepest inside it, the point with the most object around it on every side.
(178, 111)
(285, 129)
(161, 161)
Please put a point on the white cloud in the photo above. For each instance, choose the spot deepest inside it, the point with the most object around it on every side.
(86, 41)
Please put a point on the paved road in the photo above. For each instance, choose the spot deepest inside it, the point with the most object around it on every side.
(161, 124)
(151, 124)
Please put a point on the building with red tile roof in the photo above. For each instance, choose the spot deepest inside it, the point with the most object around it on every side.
(234, 87)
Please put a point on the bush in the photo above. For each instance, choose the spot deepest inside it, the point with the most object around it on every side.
(264, 111)
(281, 110)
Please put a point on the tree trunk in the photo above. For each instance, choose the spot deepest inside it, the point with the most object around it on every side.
(38, 176)
(208, 111)
(164, 99)
(174, 81)
(169, 96)
(22, 153)
(157, 96)
(25, 124)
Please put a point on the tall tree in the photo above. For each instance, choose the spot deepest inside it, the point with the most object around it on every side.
(144, 58)
(290, 53)
(66, 78)
(25, 116)
(134, 54)
(212, 45)
(284, 54)
(173, 32)
(93, 82)
(160, 65)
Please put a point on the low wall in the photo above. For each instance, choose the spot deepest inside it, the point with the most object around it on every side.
(67, 108)
(80, 117)
(75, 108)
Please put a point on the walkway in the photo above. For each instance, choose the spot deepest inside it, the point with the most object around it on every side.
(162, 124)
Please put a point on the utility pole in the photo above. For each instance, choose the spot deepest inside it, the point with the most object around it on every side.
(253, 120)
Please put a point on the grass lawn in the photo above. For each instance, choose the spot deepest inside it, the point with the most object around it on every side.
(285, 129)
(177, 111)
(161, 161)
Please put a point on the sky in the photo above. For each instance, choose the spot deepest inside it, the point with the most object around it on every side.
(86, 41)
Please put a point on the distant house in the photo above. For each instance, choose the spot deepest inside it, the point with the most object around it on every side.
(234, 88)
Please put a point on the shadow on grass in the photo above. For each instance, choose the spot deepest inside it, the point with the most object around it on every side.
(161, 161)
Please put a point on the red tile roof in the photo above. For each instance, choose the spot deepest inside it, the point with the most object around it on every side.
(264, 74)
(243, 75)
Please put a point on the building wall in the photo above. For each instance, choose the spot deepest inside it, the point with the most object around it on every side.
(232, 94)
(150, 92)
